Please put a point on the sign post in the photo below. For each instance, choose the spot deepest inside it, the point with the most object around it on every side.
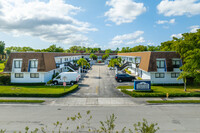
(64, 83)
(142, 85)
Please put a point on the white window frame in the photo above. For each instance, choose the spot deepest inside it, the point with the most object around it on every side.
(175, 75)
(35, 63)
(34, 75)
(19, 63)
(158, 75)
(20, 75)
(160, 64)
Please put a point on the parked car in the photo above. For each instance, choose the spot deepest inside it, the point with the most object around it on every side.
(124, 77)
(68, 77)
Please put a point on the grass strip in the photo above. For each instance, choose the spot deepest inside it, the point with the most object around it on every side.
(36, 91)
(161, 91)
(20, 101)
(175, 101)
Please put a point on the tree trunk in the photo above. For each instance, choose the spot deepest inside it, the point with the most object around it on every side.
(185, 84)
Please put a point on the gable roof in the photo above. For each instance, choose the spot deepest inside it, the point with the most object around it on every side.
(148, 59)
(46, 61)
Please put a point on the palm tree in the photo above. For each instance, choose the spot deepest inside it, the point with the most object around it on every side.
(81, 62)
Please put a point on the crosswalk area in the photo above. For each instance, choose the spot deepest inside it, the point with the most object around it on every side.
(94, 102)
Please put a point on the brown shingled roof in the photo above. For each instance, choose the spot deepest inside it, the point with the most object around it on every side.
(46, 61)
(148, 59)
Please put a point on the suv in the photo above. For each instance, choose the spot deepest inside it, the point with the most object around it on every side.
(124, 77)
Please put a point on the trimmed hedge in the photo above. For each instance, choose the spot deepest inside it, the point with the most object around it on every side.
(175, 101)
(27, 84)
(4, 79)
(151, 94)
(71, 89)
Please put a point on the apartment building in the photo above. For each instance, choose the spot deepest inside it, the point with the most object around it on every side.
(159, 67)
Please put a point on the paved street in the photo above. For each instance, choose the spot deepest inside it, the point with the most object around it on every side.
(171, 118)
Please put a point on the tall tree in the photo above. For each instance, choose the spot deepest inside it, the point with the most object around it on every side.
(188, 46)
(2, 47)
(82, 62)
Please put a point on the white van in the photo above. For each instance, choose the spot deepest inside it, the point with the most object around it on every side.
(68, 77)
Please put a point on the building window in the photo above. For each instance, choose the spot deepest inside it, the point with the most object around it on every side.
(34, 75)
(17, 63)
(19, 75)
(160, 75)
(176, 63)
(175, 75)
(33, 64)
(160, 63)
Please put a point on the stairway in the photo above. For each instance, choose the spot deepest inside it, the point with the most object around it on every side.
(75, 68)
(123, 66)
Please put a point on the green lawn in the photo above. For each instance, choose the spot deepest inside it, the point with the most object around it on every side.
(35, 91)
(20, 101)
(160, 91)
(2, 67)
(175, 101)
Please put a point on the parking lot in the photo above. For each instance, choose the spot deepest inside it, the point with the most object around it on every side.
(100, 82)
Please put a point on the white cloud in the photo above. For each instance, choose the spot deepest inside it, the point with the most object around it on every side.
(194, 28)
(176, 35)
(124, 11)
(50, 21)
(171, 21)
(127, 39)
(179, 7)
(109, 25)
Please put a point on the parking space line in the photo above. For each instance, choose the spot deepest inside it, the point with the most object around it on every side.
(97, 89)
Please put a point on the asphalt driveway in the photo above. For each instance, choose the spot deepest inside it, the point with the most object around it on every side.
(100, 82)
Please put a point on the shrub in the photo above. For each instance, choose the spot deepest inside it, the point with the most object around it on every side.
(5, 79)
(50, 81)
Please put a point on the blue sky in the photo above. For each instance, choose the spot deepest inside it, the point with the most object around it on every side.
(96, 23)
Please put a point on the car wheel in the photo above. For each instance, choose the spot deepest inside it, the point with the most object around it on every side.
(120, 80)
(55, 83)
(72, 83)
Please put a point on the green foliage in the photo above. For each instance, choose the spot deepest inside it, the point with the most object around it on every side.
(53, 48)
(2, 47)
(36, 91)
(93, 56)
(175, 101)
(50, 81)
(139, 48)
(82, 62)
(144, 127)
(104, 57)
(20, 101)
(2, 66)
(160, 91)
(82, 123)
(108, 126)
(108, 51)
(115, 62)
(4, 79)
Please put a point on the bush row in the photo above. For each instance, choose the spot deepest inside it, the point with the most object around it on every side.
(4, 79)
(149, 94)
(72, 89)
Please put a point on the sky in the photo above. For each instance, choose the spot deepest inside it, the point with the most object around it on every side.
(96, 23)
